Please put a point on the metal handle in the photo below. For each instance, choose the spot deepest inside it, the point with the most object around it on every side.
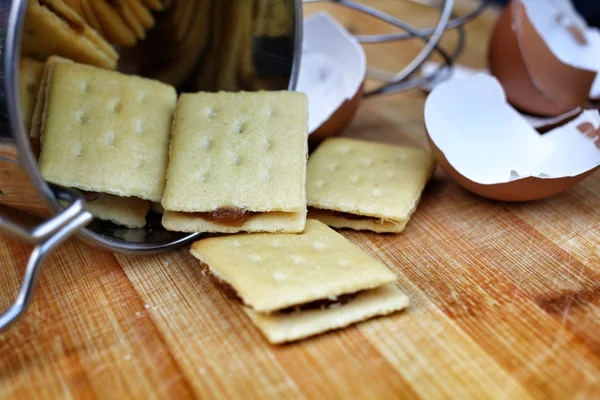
(46, 237)
(404, 79)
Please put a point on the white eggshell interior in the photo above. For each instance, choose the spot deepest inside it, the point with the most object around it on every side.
(489, 142)
(332, 67)
(457, 72)
(544, 15)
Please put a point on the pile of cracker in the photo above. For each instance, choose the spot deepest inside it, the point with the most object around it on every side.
(204, 44)
(234, 164)
(85, 30)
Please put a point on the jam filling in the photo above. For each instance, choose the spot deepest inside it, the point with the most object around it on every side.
(227, 216)
(91, 196)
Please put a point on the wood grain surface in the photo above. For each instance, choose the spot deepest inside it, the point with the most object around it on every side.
(505, 298)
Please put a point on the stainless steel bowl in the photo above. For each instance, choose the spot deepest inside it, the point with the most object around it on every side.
(271, 43)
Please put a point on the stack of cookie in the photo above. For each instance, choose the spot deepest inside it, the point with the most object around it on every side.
(121, 22)
(234, 164)
(238, 166)
(54, 28)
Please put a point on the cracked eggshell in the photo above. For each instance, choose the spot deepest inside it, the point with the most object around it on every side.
(456, 72)
(488, 148)
(541, 53)
(332, 72)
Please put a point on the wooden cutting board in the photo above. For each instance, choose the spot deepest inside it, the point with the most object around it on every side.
(505, 298)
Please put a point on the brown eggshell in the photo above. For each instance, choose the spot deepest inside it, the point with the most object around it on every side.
(521, 190)
(338, 120)
(543, 125)
(534, 79)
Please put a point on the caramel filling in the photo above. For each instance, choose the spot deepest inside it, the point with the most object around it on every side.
(91, 196)
(77, 26)
(227, 216)
(323, 304)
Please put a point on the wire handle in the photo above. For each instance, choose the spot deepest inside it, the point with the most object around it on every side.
(404, 79)
(46, 237)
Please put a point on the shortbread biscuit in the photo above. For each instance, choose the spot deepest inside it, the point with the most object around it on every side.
(365, 185)
(176, 64)
(90, 15)
(154, 4)
(271, 272)
(77, 6)
(273, 18)
(126, 211)
(287, 327)
(236, 157)
(126, 12)
(30, 76)
(52, 27)
(114, 26)
(142, 13)
(236, 36)
(106, 132)
(183, 17)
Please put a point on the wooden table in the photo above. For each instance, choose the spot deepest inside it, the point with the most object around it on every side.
(505, 299)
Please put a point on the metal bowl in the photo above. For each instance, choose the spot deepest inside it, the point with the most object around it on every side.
(172, 51)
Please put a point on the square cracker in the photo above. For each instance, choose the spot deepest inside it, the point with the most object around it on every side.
(378, 184)
(30, 75)
(52, 27)
(270, 272)
(288, 327)
(126, 211)
(106, 132)
(238, 150)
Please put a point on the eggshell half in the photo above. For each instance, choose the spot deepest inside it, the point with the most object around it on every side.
(332, 72)
(535, 79)
(487, 147)
(541, 124)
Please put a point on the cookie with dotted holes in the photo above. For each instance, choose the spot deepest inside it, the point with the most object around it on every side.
(103, 131)
(365, 185)
(237, 163)
(272, 273)
(52, 27)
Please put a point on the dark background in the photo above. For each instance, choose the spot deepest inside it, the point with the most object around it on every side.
(589, 9)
